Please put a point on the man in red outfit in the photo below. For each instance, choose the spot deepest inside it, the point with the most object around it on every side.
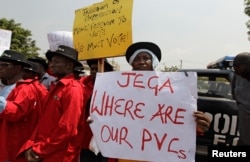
(59, 133)
(31, 76)
(20, 111)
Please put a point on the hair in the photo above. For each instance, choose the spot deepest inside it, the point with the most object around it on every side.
(242, 59)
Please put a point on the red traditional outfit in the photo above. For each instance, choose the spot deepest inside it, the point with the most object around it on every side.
(20, 116)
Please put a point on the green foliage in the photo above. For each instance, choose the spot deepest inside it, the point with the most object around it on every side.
(247, 12)
(21, 38)
(247, 7)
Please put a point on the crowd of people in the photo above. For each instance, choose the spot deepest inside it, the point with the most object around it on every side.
(43, 116)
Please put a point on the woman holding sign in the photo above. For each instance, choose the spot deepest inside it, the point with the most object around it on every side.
(146, 56)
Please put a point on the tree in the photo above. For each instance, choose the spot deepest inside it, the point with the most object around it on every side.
(247, 7)
(247, 12)
(21, 38)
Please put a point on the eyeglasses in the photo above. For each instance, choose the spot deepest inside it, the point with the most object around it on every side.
(4, 64)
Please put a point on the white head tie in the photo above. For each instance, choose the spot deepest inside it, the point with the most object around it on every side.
(155, 60)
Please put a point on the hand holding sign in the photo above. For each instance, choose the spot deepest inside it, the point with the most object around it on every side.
(143, 115)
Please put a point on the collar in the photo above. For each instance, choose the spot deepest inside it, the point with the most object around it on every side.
(27, 81)
(65, 80)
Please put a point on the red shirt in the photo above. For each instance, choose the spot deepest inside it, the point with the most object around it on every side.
(59, 134)
(20, 116)
(88, 82)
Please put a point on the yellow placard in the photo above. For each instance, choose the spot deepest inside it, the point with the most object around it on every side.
(103, 29)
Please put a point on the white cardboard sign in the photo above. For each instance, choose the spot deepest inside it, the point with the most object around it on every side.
(5, 40)
(57, 38)
(144, 115)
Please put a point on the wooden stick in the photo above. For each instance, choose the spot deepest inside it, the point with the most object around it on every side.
(101, 65)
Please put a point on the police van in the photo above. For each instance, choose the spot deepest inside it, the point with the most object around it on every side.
(216, 99)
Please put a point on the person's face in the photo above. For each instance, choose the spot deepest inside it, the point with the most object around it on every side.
(2, 66)
(143, 61)
(28, 74)
(60, 66)
(240, 69)
(8, 70)
(93, 70)
(40, 69)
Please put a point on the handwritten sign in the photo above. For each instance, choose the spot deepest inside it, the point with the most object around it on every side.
(57, 38)
(103, 29)
(5, 40)
(142, 115)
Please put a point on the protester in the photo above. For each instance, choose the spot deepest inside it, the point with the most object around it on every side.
(86, 153)
(241, 91)
(20, 109)
(146, 56)
(59, 133)
(30, 76)
(45, 78)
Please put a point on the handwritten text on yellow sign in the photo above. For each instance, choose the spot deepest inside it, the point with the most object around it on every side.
(103, 29)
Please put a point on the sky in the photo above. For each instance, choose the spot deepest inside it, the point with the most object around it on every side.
(190, 33)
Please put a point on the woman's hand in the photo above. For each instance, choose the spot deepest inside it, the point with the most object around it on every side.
(202, 121)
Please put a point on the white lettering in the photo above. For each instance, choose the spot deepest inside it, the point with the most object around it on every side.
(216, 122)
(219, 139)
(215, 153)
(233, 125)
(235, 141)
(226, 124)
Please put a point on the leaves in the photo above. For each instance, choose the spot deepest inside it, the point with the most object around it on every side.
(21, 40)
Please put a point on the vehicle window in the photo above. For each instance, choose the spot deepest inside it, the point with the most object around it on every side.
(214, 87)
